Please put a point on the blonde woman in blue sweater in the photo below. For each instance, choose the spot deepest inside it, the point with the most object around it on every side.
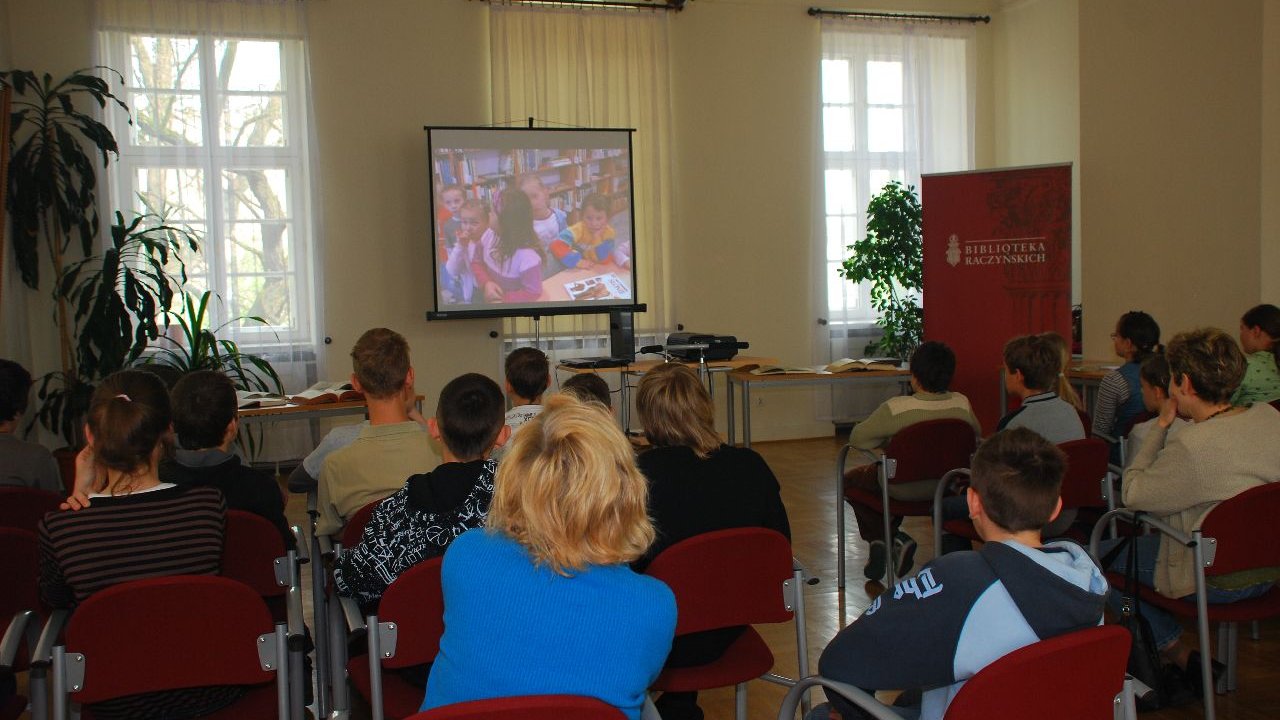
(541, 601)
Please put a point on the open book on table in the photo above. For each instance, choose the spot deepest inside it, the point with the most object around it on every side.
(782, 370)
(246, 399)
(862, 365)
(327, 392)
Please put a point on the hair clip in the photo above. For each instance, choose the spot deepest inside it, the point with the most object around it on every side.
(126, 397)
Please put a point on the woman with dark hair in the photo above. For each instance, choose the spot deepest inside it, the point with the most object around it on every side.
(1259, 331)
(509, 268)
(697, 485)
(1136, 338)
(129, 525)
(1180, 478)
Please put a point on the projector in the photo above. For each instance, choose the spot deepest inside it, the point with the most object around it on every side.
(719, 347)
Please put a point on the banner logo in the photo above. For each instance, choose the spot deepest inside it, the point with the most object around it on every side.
(953, 250)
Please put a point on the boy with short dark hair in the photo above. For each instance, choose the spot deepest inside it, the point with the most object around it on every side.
(1032, 364)
(588, 387)
(528, 376)
(967, 609)
(420, 520)
(22, 463)
(387, 450)
(205, 421)
(933, 364)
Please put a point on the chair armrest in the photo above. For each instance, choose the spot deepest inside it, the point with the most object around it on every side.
(846, 449)
(798, 567)
(1136, 517)
(300, 542)
(863, 700)
(43, 652)
(24, 625)
(948, 481)
(351, 611)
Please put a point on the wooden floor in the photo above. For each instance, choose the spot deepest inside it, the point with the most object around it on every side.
(805, 469)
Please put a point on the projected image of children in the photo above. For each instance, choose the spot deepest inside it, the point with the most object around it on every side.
(532, 226)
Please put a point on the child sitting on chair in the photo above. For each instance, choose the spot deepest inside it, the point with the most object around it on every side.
(963, 611)
(589, 241)
(419, 521)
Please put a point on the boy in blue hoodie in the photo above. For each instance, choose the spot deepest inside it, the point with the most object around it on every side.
(965, 610)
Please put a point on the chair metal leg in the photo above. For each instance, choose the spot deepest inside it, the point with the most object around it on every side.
(340, 701)
(740, 701)
(1202, 626)
(1126, 707)
(802, 639)
(1255, 631)
(840, 461)
(38, 684)
(1232, 656)
(890, 572)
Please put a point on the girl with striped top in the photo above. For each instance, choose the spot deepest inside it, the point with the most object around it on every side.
(127, 525)
(1137, 337)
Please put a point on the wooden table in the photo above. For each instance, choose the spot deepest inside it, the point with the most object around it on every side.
(710, 369)
(314, 411)
(746, 380)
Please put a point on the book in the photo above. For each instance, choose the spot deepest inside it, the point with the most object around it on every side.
(326, 392)
(862, 365)
(783, 370)
(246, 399)
(600, 287)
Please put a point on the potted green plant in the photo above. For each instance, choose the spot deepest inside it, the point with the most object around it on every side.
(200, 348)
(891, 258)
(119, 300)
(52, 176)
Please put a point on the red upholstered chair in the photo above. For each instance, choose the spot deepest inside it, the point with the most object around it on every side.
(255, 554)
(354, 528)
(24, 508)
(533, 707)
(19, 613)
(1238, 534)
(1088, 667)
(920, 452)
(174, 632)
(405, 632)
(727, 578)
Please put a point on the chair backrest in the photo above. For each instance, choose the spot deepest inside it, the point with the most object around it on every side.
(19, 566)
(1086, 466)
(1238, 527)
(355, 525)
(1068, 677)
(927, 450)
(249, 551)
(532, 707)
(415, 602)
(165, 633)
(1141, 417)
(1276, 403)
(24, 508)
(726, 578)
(1086, 421)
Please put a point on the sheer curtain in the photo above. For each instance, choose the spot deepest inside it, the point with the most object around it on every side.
(595, 68)
(221, 141)
(897, 102)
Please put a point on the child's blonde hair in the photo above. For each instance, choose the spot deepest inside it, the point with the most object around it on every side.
(568, 490)
(1064, 388)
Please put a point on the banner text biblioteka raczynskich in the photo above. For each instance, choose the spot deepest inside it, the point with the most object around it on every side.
(1013, 251)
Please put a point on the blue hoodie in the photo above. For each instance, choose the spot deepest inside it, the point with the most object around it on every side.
(962, 612)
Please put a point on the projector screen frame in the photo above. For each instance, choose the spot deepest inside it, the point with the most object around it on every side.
(631, 305)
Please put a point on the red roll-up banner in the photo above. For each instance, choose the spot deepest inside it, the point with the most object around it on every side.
(997, 263)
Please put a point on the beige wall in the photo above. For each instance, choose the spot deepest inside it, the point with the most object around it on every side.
(1270, 231)
(1037, 95)
(1170, 139)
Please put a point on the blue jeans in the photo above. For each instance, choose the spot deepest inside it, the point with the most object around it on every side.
(1165, 629)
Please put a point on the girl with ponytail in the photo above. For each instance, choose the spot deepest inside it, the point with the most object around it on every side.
(1259, 333)
(132, 525)
(1136, 338)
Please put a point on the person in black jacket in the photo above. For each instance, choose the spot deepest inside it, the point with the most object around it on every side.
(697, 485)
(204, 418)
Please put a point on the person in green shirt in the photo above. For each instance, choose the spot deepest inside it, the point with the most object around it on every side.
(1259, 331)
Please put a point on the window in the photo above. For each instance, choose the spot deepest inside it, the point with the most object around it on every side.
(219, 143)
(895, 103)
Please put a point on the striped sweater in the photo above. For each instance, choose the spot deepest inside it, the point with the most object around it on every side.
(171, 531)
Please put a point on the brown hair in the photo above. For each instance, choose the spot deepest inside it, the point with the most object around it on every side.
(1267, 318)
(15, 386)
(129, 416)
(528, 372)
(588, 387)
(380, 360)
(1065, 391)
(470, 415)
(597, 202)
(1037, 358)
(204, 403)
(1211, 358)
(568, 490)
(1018, 476)
(675, 409)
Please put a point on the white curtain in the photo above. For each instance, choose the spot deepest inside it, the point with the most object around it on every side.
(221, 141)
(897, 102)
(593, 68)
